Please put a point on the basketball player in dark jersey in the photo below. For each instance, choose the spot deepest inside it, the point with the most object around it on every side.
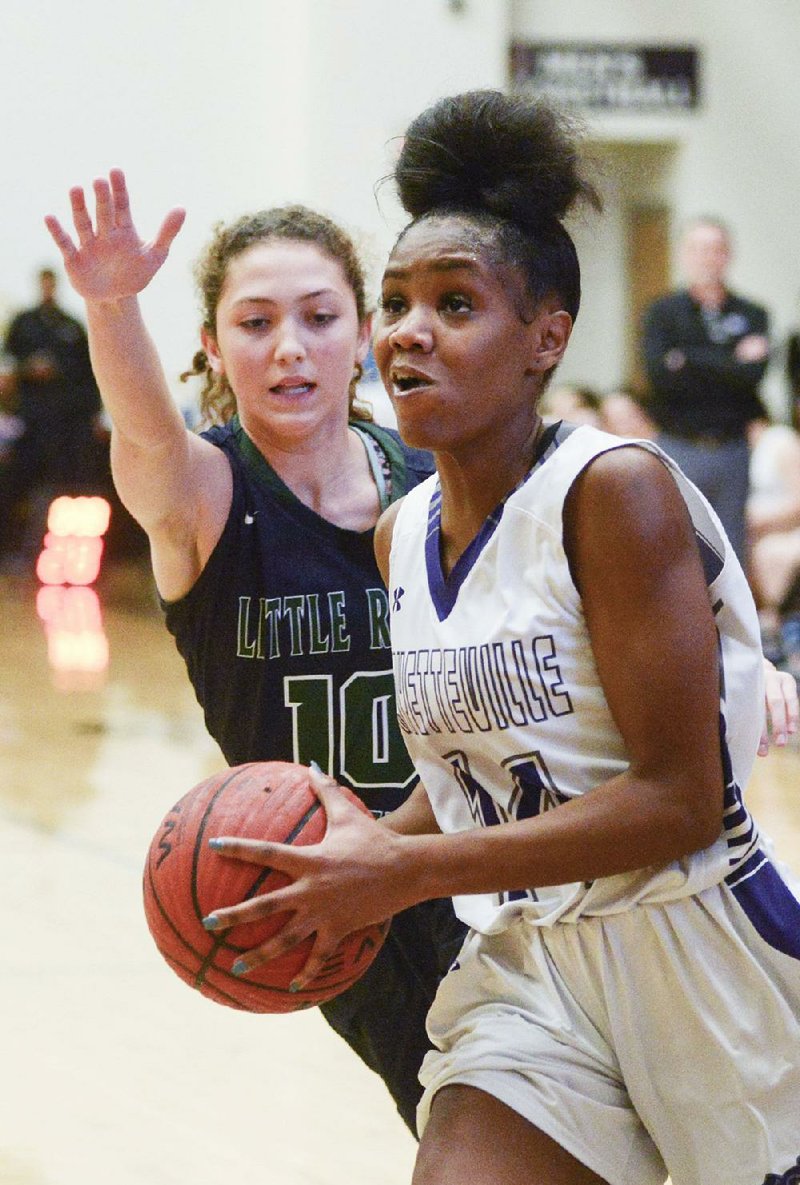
(261, 534)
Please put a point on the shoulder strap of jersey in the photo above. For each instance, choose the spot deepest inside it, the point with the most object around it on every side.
(393, 449)
(388, 441)
(258, 463)
(379, 464)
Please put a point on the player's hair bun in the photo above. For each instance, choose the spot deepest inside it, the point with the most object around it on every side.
(510, 156)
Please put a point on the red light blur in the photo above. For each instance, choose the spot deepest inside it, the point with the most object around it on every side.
(68, 563)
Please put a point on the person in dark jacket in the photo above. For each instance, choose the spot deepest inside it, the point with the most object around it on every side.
(706, 350)
(60, 449)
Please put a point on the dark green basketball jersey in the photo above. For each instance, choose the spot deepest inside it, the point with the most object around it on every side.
(285, 634)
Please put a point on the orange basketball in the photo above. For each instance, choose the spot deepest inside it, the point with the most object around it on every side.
(185, 880)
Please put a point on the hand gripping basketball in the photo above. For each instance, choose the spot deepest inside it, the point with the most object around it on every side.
(271, 811)
(330, 886)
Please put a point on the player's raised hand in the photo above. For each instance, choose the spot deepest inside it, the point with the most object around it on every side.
(110, 260)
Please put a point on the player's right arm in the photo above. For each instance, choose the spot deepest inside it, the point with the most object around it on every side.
(176, 485)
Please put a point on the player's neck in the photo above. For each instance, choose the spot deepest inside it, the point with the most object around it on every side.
(333, 478)
(475, 482)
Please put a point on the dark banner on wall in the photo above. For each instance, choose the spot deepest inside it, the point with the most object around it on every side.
(608, 77)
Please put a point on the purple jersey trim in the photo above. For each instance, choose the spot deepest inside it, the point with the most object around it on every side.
(444, 590)
(768, 902)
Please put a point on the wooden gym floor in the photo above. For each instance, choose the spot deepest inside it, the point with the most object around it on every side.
(111, 1069)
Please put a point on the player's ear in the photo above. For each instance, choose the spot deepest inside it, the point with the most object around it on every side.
(549, 339)
(212, 352)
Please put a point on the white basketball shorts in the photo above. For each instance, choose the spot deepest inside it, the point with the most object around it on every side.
(663, 1040)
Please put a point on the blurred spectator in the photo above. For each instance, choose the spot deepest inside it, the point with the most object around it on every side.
(773, 518)
(61, 448)
(623, 412)
(576, 404)
(706, 350)
(10, 432)
(793, 378)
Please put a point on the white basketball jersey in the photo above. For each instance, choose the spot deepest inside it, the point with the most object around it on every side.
(498, 694)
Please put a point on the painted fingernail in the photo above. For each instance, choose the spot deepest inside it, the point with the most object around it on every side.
(240, 967)
(215, 843)
(211, 922)
(294, 987)
(316, 768)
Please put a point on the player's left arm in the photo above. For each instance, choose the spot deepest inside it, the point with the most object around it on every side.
(634, 558)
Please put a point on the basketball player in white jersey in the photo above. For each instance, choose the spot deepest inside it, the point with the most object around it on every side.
(579, 682)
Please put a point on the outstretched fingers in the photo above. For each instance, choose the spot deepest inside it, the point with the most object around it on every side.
(276, 901)
(290, 935)
(169, 229)
(312, 901)
(123, 219)
(294, 932)
(267, 853)
(60, 237)
(113, 206)
(254, 910)
(281, 857)
(80, 215)
(120, 199)
(104, 206)
(106, 260)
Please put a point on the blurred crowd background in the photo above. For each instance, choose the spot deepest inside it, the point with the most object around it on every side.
(691, 111)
